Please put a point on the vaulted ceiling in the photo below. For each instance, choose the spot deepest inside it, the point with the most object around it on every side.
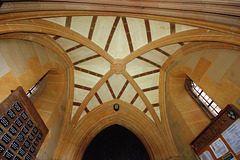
(117, 49)
(121, 62)
(133, 80)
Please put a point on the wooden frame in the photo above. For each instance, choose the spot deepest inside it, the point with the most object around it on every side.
(22, 129)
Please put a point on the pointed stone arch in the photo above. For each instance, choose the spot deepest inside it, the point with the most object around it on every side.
(205, 35)
(116, 142)
(104, 116)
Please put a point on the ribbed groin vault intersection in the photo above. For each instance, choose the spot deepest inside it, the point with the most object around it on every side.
(90, 55)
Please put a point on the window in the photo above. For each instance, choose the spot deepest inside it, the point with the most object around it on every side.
(32, 90)
(40, 84)
(202, 99)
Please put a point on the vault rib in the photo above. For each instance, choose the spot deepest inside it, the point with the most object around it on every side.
(42, 26)
(162, 51)
(110, 89)
(125, 24)
(86, 110)
(148, 30)
(92, 27)
(89, 97)
(181, 43)
(184, 36)
(172, 28)
(82, 87)
(145, 110)
(148, 61)
(44, 40)
(68, 22)
(146, 73)
(76, 103)
(112, 33)
(98, 98)
(150, 89)
(73, 48)
(88, 72)
(155, 105)
(87, 59)
(134, 98)
(144, 98)
(123, 89)
(67, 25)
(47, 41)
(56, 37)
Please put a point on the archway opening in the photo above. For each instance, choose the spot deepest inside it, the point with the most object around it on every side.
(118, 143)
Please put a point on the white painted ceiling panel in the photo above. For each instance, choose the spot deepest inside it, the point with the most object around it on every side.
(145, 82)
(79, 95)
(85, 79)
(66, 43)
(170, 49)
(98, 65)
(153, 96)
(149, 115)
(102, 30)
(119, 47)
(117, 81)
(59, 20)
(104, 93)
(81, 53)
(128, 94)
(139, 104)
(81, 24)
(138, 66)
(138, 32)
(159, 29)
(156, 57)
(93, 103)
(180, 28)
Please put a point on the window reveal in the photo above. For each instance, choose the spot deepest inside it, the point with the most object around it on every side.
(202, 99)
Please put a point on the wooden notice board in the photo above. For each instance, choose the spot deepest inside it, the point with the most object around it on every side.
(22, 130)
(221, 138)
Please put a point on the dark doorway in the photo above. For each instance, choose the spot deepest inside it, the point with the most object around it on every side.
(116, 143)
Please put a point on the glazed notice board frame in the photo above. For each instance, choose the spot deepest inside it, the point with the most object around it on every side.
(221, 138)
(22, 131)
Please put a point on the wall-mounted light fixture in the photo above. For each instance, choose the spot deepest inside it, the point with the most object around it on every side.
(116, 107)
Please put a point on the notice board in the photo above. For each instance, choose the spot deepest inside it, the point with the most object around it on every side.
(221, 138)
(22, 130)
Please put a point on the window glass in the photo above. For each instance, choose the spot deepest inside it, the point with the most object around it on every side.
(204, 98)
(38, 87)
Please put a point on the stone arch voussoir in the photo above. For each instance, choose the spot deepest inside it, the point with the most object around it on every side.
(104, 116)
